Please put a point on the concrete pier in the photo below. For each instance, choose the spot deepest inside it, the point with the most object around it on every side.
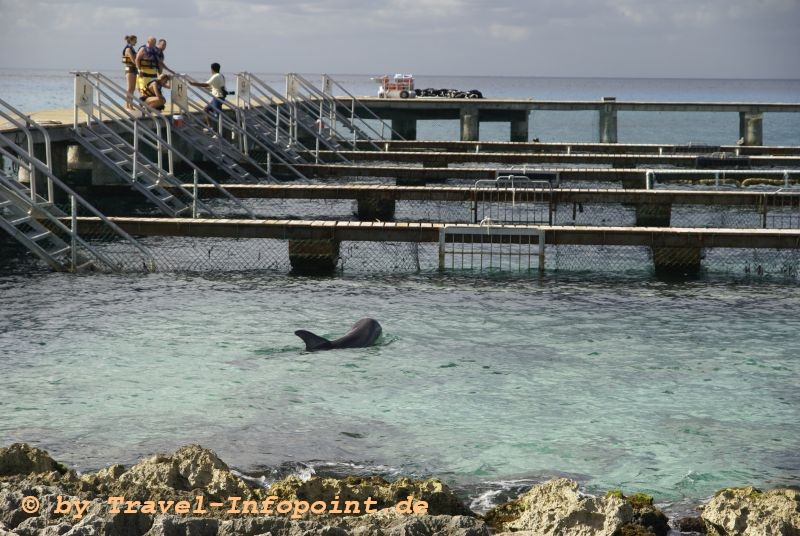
(608, 121)
(516, 111)
(751, 128)
(311, 257)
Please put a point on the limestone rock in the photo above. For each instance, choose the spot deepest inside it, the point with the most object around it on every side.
(23, 459)
(382, 523)
(190, 468)
(441, 501)
(647, 519)
(169, 525)
(749, 512)
(557, 508)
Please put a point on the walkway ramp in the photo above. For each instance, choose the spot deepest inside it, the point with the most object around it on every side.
(37, 222)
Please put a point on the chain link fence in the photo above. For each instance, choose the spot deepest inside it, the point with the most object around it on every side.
(189, 254)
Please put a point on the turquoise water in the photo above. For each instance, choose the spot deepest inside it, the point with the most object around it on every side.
(676, 389)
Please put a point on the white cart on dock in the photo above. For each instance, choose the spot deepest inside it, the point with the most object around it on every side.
(400, 86)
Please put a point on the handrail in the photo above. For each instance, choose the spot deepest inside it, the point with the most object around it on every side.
(22, 122)
(330, 117)
(159, 138)
(327, 82)
(244, 138)
(256, 95)
(164, 142)
(29, 161)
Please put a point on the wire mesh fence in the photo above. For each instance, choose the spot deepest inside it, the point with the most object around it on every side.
(523, 257)
(518, 258)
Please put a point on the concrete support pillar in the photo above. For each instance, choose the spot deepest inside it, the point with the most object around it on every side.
(103, 175)
(676, 261)
(608, 120)
(407, 128)
(78, 158)
(751, 128)
(519, 127)
(313, 257)
(470, 124)
(371, 208)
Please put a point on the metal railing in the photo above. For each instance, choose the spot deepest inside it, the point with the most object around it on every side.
(512, 199)
(321, 111)
(386, 131)
(52, 233)
(233, 146)
(270, 112)
(120, 137)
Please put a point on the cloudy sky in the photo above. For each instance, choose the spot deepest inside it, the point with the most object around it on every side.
(613, 38)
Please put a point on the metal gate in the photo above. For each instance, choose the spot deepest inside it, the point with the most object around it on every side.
(491, 248)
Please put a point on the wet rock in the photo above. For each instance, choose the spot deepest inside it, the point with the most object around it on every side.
(557, 508)
(440, 500)
(382, 523)
(691, 524)
(23, 459)
(178, 526)
(750, 512)
(647, 519)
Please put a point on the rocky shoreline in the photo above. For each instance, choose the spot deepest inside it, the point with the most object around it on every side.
(193, 493)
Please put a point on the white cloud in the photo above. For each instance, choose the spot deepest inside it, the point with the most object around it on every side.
(582, 37)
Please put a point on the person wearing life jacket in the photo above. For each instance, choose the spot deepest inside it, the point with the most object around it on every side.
(129, 61)
(162, 46)
(152, 94)
(147, 63)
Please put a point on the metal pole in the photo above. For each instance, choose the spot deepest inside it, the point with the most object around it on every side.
(74, 233)
(194, 196)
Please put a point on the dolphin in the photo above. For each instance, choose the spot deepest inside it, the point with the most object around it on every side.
(363, 333)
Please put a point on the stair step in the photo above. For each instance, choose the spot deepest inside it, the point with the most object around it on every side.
(20, 221)
(57, 252)
(39, 236)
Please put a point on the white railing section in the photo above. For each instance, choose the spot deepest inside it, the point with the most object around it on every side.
(323, 112)
(233, 141)
(41, 227)
(488, 247)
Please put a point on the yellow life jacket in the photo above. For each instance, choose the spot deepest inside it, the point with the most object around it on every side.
(148, 65)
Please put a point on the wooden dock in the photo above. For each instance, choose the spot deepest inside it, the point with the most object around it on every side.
(785, 199)
(628, 177)
(430, 232)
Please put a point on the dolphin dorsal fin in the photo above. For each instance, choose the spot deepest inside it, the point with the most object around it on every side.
(313, 342)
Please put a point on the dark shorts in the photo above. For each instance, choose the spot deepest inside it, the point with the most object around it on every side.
(214, 107)
(131, 70)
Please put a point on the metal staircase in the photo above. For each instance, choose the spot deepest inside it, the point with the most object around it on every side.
(119, 137)
(230, 144)
(39, 224)
(269, 113)
(149, 130)
(317, 109)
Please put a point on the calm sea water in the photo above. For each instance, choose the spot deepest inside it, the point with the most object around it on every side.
(673, 388)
